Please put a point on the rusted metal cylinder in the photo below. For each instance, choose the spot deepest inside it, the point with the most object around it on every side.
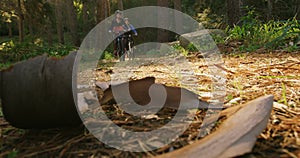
(37, 93)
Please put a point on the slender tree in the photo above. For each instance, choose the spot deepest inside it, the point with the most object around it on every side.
(178, 20)
(103, 10)
(98, 16)
(297, 8)
(233, 11)
(59, 21)
(177, 5)
(20, 20)
(73, 23)
(86, 14)
(120, 5)
(49, 32)
(270, 9)
(108, 7)
(34, 18)
(162, 20)
(9, 26)
(7, 15)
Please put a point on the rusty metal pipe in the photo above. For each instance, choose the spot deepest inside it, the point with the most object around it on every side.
(37, 93)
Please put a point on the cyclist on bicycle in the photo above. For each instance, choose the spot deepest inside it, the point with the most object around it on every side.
(118, 28)
(130, 27)
(130, 30)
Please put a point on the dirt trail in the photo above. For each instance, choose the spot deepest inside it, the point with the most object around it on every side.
(248, 76)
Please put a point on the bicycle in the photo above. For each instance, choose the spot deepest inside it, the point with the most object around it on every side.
(129, 47)
(120, 47)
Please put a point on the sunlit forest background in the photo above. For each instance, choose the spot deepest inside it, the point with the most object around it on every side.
(259, 43)
(32, 27)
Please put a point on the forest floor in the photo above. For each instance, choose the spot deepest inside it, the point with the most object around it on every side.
(249, 75)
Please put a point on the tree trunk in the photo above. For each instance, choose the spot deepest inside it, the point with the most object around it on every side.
(86, 25)
(48, 30)
(73, 24)
(98, 11)
(162, 20)
(108, 7)
(9, 25)
(233, 11)
(120, 5)
(103, 10)
(30, 25)
(178, 20)
(177, 5)
(59, 19)
(297, 8)
(270, 9)
(21, 21)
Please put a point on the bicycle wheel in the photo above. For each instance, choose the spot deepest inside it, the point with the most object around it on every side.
(130, 51)
(121, 49)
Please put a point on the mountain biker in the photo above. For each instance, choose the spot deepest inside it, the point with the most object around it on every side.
(118, 28)
(130, 27)
(130, 30)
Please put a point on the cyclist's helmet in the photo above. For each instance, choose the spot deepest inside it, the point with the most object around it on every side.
(118, 12)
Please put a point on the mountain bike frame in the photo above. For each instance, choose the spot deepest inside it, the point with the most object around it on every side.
(120, 42)
(129, 43)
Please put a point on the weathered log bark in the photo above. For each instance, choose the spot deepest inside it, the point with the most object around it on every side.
(236, 135)
(145, 90)
(38, 93)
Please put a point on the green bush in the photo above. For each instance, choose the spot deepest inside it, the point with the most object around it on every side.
(218, 39)
(272, 35)
(209, 20)
(180, 49)
(191, 48)
(108, 56)
(11, 51)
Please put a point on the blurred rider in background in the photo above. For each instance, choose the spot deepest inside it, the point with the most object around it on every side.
(130, 30)
(117, 28)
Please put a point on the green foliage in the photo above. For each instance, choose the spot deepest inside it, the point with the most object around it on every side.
(177, 47)
(191, 47)
(284, 98)
(107, 55)
(12, 51)
(180, 49)
(218, 38)
(4, 66)
(209, 19)
(185, 51)
(271, 35)
(12, 154)
(229, 97)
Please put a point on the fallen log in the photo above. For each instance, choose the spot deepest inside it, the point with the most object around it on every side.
(37, 93)
(145, 90)
(235, 136)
